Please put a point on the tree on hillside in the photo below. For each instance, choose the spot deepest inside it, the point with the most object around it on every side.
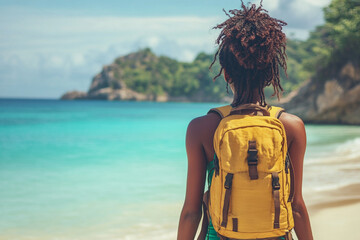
(338, 40)
(343, 22)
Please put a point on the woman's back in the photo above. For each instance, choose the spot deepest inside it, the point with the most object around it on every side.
(251, 52)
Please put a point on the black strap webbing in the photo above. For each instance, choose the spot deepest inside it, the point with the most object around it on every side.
(276, 196)
(235, 224)
(227, 185)
(292, 180)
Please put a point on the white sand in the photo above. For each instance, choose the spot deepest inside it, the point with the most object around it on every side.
(336, 222)
(335, 214)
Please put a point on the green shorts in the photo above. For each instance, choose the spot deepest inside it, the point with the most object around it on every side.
(212, 235)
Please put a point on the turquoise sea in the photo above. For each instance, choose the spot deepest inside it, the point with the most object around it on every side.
(117, 170)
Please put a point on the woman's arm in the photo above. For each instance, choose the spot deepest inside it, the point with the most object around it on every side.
(191, 211)
(295, 131)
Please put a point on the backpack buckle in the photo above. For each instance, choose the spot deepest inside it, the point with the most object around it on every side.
(228, 180)
(275, 183)
(252, 156)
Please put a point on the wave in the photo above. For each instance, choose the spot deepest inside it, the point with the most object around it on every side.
(349, 149)
(344, 185)
(333, 167)
(345, 153)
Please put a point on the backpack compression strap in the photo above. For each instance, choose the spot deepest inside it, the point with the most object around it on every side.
(276, 194)
(292, 178)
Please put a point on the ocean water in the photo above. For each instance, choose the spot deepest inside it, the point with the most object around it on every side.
(117, 170)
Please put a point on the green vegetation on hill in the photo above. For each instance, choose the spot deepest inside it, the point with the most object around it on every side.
(147, 73)
(326, 50)
(336, 42)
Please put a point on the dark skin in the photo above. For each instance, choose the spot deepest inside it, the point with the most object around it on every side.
(200, 151)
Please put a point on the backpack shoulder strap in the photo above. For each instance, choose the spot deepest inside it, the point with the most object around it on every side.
(221, 111)
(275, 111)
(224, 111)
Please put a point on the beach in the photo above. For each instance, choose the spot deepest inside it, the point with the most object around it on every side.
(338, 221)
(331, 183)
(92, 170)
(336, 214)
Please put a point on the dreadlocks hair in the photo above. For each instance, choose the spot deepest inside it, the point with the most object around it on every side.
(251, 49)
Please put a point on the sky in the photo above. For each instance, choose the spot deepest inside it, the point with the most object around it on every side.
(50, 47)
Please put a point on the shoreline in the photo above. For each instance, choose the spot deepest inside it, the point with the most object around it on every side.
(334, 213)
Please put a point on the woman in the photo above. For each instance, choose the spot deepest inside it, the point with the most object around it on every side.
(251, 49)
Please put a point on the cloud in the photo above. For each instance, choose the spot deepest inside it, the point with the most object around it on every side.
(50, 74)
(182, 50)
(271, 5)
(60, 53)
(44, 32)
(301, 15)
(318, 3)
(53, 53)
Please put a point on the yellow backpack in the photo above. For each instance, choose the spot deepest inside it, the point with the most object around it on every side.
(250, 193)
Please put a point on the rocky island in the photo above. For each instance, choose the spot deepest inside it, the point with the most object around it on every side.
(143, 76)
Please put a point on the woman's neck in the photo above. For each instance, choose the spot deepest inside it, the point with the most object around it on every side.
(255, 97)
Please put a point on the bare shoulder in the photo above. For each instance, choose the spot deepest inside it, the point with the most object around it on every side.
(291, 120)
(202, 128)
(293, 125)
(204, 123)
